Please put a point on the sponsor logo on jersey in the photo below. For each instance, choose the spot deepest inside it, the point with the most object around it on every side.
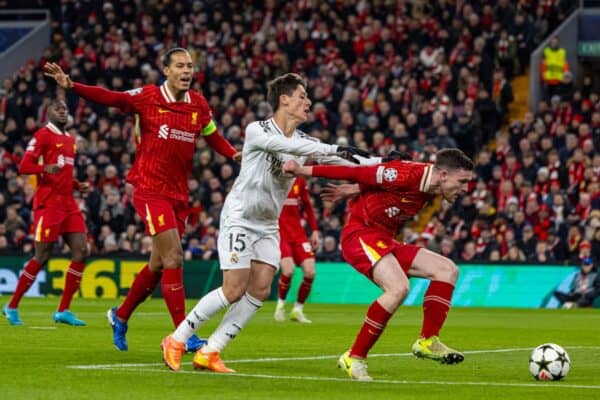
(390, 174)
(194, 118)
(163, 131)
(134, 92)
(392, 211)
(59, 145)
(162, 111)
(60, 161)
(276, 165)
(404, 200)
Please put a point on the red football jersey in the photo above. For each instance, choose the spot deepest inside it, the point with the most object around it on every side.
(290, 227)
(391, 193)
(166, 141)
(53, 146)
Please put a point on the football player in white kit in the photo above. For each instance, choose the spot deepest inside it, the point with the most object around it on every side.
(248, 241)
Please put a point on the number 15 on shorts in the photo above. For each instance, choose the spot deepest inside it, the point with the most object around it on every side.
(236, 242)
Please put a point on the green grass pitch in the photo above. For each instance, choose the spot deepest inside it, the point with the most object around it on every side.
(42, 360)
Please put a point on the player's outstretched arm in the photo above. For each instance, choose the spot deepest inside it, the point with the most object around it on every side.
(96, 94)
(30, 166)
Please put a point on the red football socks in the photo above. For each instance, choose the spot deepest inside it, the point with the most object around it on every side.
(304, 289)
(72, 282)
(142, 288)
(284, 285)
(436, 305)
(375, 322)
(174, 293)
(25, 281)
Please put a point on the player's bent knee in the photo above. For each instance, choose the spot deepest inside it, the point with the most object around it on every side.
(233, 292)
(174, 259)
(447, 271)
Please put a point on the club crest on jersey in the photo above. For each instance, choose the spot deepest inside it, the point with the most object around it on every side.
(194, 118)
(390, 174)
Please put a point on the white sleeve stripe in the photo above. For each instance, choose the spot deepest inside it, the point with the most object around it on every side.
(422, 183)
(379, 175)
(428, 179)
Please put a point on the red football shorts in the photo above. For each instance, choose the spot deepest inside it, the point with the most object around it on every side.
(50, 223)
(299, 251)
(160, 213)
(363, 247)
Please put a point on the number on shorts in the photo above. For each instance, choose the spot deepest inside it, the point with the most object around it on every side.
(237, 243)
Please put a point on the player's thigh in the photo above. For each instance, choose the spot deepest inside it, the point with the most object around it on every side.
(364, 249)
(287, 259)
(261, 277)
(265, 249)
(235, 283)
(389, 275)
(167, 247)
(47, 224)
(433, 266)
(77, 242)
(308, 267)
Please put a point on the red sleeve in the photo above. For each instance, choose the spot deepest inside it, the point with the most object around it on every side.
(29, 164)
(308, 208)
(397, 175)
(219, 144)
(122, 100)
(365, 175)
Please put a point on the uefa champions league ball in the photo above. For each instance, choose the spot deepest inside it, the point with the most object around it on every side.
(549, 362)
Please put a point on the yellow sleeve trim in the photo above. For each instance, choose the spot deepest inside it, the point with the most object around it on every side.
(209, 129)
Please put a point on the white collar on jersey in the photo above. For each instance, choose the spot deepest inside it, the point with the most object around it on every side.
(55, 129)
(277, 127)
(168, 96)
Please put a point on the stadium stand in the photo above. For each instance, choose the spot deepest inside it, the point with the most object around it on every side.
(412, 76)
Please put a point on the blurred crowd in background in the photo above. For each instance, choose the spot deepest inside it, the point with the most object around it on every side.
(415, 76)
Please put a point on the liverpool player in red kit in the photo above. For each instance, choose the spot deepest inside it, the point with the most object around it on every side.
(171, 118)
(50, 155)
(296, 250)
(391, 194)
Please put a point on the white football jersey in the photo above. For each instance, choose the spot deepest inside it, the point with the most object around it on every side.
(257, 196)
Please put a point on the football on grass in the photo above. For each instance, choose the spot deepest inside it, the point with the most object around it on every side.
(549, 362)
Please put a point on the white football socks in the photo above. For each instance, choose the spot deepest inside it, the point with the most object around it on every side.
(236, 318)
(208, 306)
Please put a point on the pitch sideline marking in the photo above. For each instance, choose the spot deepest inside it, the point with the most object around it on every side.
(308, 358)
(346, 380)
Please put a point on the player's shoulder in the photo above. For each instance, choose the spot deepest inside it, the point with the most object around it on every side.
(143, 91)
(260, 127)
(306, 136)
(407, 165)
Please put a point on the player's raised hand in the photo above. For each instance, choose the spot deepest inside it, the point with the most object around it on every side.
(237, 157)
(52, 168)
(335, 193)
(350, 153)
(54, 71)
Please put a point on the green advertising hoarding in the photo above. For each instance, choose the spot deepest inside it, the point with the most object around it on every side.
(523, 286)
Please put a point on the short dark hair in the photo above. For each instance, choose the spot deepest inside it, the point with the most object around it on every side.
(453, 159)
(284, 84)
(166, 60)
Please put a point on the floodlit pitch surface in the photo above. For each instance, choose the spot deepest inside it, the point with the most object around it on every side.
(43, 360)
